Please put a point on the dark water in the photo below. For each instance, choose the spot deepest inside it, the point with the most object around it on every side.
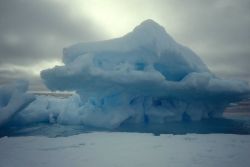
(235, 124)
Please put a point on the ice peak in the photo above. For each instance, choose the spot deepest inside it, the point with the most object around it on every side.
(150, 23)
(149, 27)
(153, 35)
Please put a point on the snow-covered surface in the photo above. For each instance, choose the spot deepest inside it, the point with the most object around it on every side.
(126, 150)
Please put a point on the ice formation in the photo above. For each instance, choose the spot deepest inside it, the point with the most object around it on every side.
(143, 77)
(66, 111)
(13, 98)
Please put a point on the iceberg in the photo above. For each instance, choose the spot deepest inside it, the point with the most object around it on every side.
(143, 77)
(13, 98)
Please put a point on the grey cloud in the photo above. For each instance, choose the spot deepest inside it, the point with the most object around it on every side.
(31, 31)
(8, 76)
(218, 30)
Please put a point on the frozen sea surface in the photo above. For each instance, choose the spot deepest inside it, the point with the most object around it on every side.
(117, 149)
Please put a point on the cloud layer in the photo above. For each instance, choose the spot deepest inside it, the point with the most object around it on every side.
(33, 33)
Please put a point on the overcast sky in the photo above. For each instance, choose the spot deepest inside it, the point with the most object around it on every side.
(33, 33)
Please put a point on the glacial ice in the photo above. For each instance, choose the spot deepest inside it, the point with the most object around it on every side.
(144, 77)
(13, 98)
